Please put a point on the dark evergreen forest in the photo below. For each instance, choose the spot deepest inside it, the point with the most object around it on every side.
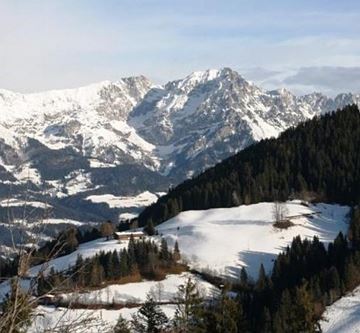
(140, 260)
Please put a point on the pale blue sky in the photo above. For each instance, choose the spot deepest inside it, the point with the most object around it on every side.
(302, 45)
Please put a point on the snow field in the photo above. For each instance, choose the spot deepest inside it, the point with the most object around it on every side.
(344, 315)
(225, 239)
(89, 321)
(141, 200)
(135, 293)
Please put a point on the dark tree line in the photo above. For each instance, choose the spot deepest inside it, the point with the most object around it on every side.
(141, 259)
(317, 160)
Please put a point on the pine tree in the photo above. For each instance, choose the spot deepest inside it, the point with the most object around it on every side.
(261, 281)
(96, 274)
(188, 301)
(164, 251)
(227, 313)
(150, 318)
(305, 320)
(122, 326)
(243, 277)
(69, 241)
(177, 254)
(124, 264)
(150, 229)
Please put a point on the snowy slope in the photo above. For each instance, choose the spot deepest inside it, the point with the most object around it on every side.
(86, 250)
(91, 119)
(137, 292)
(344, 315)
(85, 321)
(225, 239)
(141, 200)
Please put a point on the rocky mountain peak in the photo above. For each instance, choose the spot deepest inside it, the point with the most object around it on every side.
(176, 129)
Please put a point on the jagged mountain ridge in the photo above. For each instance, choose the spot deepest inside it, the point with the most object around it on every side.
(128, 136)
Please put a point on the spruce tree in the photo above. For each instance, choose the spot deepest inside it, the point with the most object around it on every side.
(164, 251)
(261, 281)
(177, 254)
(188, 301)
(122, 326)
(149, 228)
(227, 313)
(243, 277)
(150, 318)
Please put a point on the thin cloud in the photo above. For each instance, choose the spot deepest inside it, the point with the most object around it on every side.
(334, 79)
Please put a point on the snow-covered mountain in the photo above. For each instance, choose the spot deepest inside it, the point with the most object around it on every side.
(130, 136)
(204, 118)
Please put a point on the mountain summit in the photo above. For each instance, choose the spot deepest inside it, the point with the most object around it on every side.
(129, 136)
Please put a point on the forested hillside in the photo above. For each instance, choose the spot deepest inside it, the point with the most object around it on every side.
(317, 160)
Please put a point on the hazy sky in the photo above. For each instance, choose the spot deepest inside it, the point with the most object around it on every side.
(303, 45)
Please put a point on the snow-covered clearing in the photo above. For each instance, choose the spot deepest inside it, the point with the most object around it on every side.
(135, 293)
(140, 200)
(344, 315)
(78, 182)
(21, 203)
(89, 321)
(28, 173)
(86, 250)
(225, 239)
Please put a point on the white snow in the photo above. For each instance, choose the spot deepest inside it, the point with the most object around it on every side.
(19, 203)
(344, 315)
(85, 321)
(135, 293)
(86, 250)
(78, 182)
(28, 173)
(127, 216)
(94, 163)
(131, 293)
(225, 239)
(66, 221)
(140, 200)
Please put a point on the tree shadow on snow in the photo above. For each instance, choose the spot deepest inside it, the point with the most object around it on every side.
(252, 261)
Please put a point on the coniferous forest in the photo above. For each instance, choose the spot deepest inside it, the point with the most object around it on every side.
(319, 160)
(141, 259)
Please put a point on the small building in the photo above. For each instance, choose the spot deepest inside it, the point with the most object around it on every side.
(126, 235)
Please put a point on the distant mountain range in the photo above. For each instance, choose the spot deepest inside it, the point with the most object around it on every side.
(130, 136)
